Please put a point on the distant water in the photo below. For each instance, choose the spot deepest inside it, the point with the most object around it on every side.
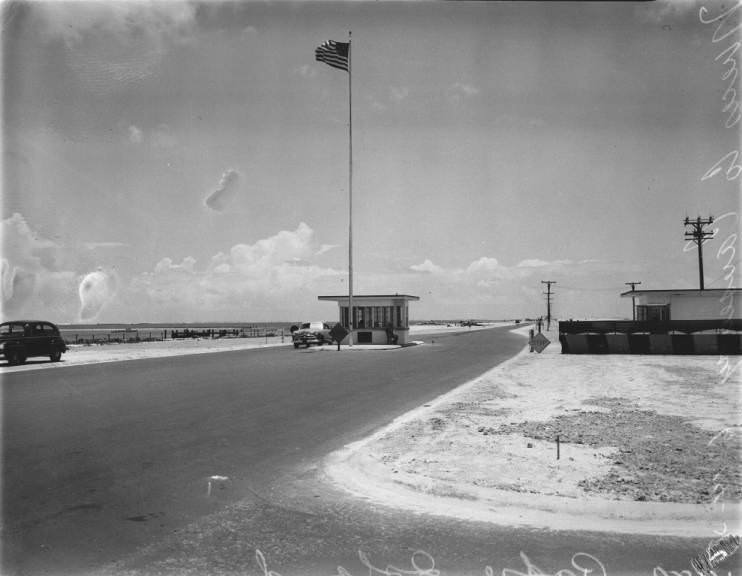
(80, 333)
(159, 331)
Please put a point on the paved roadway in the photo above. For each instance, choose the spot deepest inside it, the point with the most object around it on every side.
(106, 467)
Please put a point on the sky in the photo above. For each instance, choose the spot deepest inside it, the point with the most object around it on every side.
(175, 161)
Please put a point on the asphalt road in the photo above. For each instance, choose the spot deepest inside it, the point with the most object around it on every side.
(106, 468)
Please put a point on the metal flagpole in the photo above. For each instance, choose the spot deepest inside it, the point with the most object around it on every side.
(351, 313)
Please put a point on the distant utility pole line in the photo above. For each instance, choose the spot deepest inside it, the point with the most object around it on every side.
(633, 303)
(548, 301)
(699, 235)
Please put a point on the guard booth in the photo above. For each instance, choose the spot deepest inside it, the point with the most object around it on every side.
(376, 317)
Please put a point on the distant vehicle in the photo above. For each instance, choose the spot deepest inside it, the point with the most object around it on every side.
(23, 339)
(311, 333)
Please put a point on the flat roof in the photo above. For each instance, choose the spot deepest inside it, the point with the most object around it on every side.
(370, 296)
(684, 291)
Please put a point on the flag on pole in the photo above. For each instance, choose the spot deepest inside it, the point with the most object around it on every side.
(333, 53)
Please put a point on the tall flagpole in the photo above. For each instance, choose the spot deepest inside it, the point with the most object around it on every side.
(351, 313)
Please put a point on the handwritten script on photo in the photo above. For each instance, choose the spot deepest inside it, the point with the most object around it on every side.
(423, 564)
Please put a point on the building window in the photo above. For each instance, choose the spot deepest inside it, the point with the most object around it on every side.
(653, 313)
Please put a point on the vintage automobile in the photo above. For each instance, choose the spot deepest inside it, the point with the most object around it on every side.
(23, 339)
(311, 333)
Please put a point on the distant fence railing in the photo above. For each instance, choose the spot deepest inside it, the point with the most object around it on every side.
(117, 336)
(648, 327)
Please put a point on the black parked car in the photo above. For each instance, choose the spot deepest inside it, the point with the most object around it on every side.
(22, 339)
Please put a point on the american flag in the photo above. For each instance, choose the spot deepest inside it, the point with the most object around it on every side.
(333, 53)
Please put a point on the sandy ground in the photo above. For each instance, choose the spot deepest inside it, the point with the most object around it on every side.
(648, 444)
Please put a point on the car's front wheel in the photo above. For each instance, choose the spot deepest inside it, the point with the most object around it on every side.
(55, 356)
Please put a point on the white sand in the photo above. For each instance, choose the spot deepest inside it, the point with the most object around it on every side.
(436, 458)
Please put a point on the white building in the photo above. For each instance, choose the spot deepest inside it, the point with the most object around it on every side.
(376, 316)
(714, 304)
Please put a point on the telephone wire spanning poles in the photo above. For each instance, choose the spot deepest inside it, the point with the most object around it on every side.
(699, 235)
(548, 301)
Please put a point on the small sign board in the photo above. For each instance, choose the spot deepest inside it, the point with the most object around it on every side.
(338, 332)
(539, 342)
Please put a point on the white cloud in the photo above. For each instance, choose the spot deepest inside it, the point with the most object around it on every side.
(166, 266)
(33, 280)
(484, 264)
(274, 273)
(427, 266)
(225, 192)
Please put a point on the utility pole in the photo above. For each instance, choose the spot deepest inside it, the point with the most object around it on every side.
(633, 304)
(699, 235)
(548, 301)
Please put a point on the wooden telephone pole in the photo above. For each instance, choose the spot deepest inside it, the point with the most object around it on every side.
(548, 301)
(633, 302)
(699, 235)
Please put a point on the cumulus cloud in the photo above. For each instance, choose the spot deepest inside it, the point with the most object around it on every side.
(427, 266)
(275, 271)
(225, 192)
(166, 265)
(96, 290)
(33, 281)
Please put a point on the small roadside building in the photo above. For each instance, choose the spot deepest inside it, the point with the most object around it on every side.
(713, 304)
(376, 317)
(667, 322)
